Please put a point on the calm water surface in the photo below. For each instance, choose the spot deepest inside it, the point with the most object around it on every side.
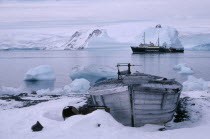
(14, 64)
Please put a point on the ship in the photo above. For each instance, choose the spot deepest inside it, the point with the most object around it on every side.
(152, 48)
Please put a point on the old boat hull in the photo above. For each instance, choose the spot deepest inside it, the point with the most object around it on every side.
(136, 103)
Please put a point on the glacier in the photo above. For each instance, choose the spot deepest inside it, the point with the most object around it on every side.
(198, 41)
(42, 72)
(168, 36)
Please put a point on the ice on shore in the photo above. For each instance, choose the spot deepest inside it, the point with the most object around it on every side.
(78, 86)
(196, 84)
(93, 73)
(42, 72)
(182, 68)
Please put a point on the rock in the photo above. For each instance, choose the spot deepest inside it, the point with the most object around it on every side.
(37, 127)
(34, 92)
(69, 111)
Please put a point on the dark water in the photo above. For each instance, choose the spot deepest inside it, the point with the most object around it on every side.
(14, 64)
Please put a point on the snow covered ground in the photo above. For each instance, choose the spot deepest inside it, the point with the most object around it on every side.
(17, 122)
(20, 112)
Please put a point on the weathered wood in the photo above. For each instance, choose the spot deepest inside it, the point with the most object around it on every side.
(138, 99)
(147, 102)
(148, 96)
(154, 111)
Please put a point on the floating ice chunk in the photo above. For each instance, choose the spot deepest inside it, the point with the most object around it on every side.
(179, 66)
(195, 84)
(43, 72)
(186, 70)
(183, 69)
(93, 73)
(78, 86)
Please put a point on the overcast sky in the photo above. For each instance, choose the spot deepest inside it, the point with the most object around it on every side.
(104, 10)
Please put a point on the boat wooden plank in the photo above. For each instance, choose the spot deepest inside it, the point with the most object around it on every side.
(152, 121)
(153, 107)
(153, 111)
(153, 116)
(147, 107)
(144, 96)
(147, 102)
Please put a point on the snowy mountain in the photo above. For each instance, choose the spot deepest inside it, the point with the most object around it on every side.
(202, 47)
(168, 36)
(92, 38)
(80, 39)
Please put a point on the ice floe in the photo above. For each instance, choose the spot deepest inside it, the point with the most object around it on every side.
(42, 72)
(196, 84)
(93, 73)
(78, 86)
(183, 68)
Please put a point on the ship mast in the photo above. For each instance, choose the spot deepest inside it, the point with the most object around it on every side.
(144, 37)
(158, 40)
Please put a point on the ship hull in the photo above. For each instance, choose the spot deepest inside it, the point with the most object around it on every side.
(149, 50)
(173, 50)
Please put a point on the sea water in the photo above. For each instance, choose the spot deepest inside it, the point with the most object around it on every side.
(14, 64)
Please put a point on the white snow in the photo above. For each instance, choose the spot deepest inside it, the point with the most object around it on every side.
(195, 84)
(42, 72)
(17, 122)
(78, 86)
(168, 36)
(183, 68)
(93, 73)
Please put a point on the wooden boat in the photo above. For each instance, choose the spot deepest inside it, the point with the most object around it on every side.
(138, 99)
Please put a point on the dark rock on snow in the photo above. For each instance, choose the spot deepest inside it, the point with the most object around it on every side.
(69, 111)
(37, 127)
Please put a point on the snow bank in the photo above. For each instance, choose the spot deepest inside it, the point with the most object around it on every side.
(97, 124)
(168, 36)
(43, 72)
(195, 84)
(78, 86)
(93, 73)
(183, 69)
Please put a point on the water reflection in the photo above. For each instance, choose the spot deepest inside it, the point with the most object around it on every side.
(37, 85)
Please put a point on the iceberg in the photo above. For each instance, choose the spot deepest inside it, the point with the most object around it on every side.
(78, 86)
(196, 84)
(168, 36)
(93, 73)
(42, 72)
(183, 69)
